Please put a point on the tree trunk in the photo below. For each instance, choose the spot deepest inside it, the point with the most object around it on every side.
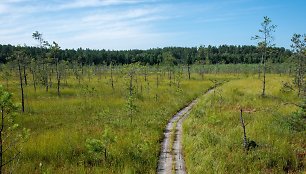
(131, 117)
(245, 143)
(141, 88)
(105, 154)
(58, 76)
(188, 67)
(25, 75)
(259, 67)
(50, 79)
(112, 80)
(58, 87)
(300, 75)
(46, 78)
(148, 86)
(170, 77)
(21, 86)
(264, 80)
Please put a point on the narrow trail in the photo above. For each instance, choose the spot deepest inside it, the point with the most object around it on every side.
(171, 158)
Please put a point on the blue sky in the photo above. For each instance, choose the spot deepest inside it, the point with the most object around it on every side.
(143, 24)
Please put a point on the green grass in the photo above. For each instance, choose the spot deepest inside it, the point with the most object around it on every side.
(60, 125)
(213, 136)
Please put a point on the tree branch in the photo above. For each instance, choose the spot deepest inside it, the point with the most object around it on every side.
(16, 155)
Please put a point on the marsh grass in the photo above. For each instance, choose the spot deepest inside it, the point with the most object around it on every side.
(213, 137)
(60, 125)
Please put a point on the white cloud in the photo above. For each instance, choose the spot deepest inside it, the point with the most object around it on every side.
(13, 1)
(119, 16)
(94, 3)
(127, 28)
(4, 8)
(129, 38)
(120, 27)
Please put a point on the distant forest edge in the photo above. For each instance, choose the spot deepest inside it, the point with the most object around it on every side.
(225, 54)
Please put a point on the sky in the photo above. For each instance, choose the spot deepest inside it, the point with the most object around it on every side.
(144, 24)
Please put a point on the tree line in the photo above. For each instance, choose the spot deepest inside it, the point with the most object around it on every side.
(226, 54)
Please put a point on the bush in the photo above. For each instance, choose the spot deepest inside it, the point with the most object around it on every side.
(94, 151)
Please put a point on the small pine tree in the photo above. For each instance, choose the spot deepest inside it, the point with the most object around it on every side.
(11, 136)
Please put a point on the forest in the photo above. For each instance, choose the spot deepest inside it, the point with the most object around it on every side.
(223, 54)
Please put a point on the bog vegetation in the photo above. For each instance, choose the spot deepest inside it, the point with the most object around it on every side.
(98, 111)
(275, 129)
(111, 123)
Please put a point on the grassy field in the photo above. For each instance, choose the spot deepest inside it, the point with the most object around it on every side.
(213, 135)
(69, 133)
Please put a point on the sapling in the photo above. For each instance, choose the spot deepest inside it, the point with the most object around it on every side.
(107, 139)
(247, 144)
(10, 136)
(94, 150)
(202, 57)
(179, 76)
(265, 41)
(145, 72)
(55, 48)
(299, 49)
(130, 104)
(76, 72)
(111, 73)
(169, 63)
(33, 70)
(157, 81)
(18, 56)
(89, 72)
(157, 75)
(44, 70)
(87, 92)
(148, 86)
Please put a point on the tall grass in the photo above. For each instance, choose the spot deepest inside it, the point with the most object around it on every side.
(213, 136)
(60, 125)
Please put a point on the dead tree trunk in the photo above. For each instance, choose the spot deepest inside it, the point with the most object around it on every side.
(245, 143)
(25, 75)
(21, 86)
(58, 76)
(170, 78)
(264, 80)
(112, 80)
(46, 78)
(188, 67)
